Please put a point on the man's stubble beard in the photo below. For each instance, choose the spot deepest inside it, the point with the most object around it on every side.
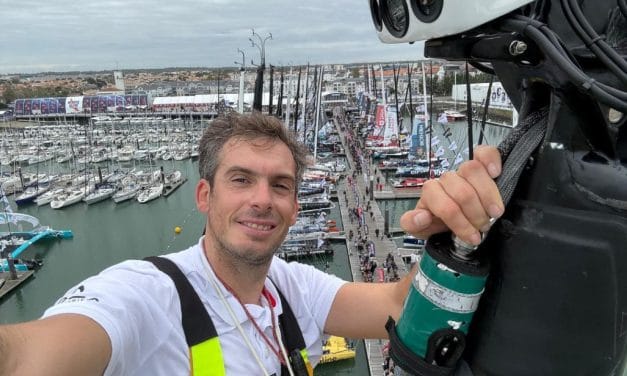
(248, 257)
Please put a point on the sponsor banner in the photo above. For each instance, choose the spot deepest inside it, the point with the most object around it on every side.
(61, 105)
(419, 146)
(379, 123)
(102, 104)
(94, 104)
(36, 106)
(390, 136)
(74, 105)
(44, 105)
(19, 107)
(53, 107)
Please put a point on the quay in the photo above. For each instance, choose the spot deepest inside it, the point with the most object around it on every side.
(11, 284)
(353, 195)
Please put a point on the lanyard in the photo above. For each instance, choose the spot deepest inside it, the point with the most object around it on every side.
(271, 303)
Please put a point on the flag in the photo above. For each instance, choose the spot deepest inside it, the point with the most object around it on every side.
(439, 152)
(4, 202)
(442, 118)
(435, 141)
(445, 163)
(458, 159)
(320, 242)
(453, 145)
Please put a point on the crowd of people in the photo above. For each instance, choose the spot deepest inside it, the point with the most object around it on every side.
(361, 216)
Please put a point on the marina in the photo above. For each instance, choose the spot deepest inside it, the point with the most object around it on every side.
(101, 112)
(113, 230)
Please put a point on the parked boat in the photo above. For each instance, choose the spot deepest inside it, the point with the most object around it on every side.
(20, 265)
(67, 197)
(48, 196)
(150, 193)
(409, 183)
(127, 192)
(30, 194)
(101, 193)
(314, 203)
(453, 115)
(410, 241)
(291, 250)
(335, 349)
(172, 181)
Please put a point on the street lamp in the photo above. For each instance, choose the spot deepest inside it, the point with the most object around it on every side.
(260, 43)
(240, 104)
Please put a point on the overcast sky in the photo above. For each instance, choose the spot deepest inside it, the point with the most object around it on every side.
(63, 35)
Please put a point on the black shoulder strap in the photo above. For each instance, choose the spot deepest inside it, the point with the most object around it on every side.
(291, 333)
(290, 330)
(197, 324)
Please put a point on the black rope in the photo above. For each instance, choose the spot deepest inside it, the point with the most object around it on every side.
(485, 111)
(469, 114)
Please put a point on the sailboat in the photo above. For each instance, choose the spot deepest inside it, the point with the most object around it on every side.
(150, 193)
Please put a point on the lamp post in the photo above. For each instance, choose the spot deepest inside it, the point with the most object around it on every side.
(260, 43)
(240, 97)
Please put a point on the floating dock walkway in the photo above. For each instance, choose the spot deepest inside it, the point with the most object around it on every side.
(9, 283)
(350, 197)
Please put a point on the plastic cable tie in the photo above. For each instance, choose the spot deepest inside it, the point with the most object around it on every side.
(588, 84)
(596, 39)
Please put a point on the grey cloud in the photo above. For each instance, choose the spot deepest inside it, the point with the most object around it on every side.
(69, 35)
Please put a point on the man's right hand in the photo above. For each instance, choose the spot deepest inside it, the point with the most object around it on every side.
(463, 201)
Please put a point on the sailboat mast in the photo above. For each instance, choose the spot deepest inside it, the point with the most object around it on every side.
(382, 86)
(318, 107)
(411, 103)
(305, 104)
(288, 106)
(396, 73)
(296, 104)
(427, 117)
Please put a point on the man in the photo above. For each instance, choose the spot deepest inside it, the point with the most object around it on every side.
(127, 320)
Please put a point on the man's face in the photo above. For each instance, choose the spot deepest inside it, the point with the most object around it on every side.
(252, 201)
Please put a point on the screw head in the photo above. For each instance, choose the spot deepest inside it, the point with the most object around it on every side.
(517, 47)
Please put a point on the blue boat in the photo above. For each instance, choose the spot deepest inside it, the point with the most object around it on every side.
(410, 241)
(17, 242)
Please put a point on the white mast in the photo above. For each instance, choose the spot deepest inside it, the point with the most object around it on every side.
(240, 104)
(288, 109)
(382, 86)
(305, 93)
(427, 117)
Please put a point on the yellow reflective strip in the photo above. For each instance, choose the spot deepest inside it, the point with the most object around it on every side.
(206, 358)
(303, 353)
